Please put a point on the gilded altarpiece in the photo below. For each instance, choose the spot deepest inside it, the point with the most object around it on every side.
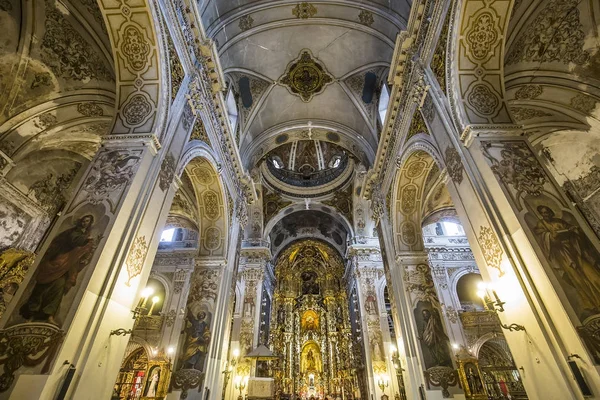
(310, 325)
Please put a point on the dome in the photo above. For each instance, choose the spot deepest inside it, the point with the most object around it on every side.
(307, 164)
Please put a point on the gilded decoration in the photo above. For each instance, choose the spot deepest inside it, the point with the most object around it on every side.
(14, 264)
(272, 204)
(26, 344)
(483, 100)
(135, 48)
(135, 258)
(482, 36)
(304, 10)
(50, 192)
(490, 247)
(177, 72)
(305, 77)
(211, 204)
(417, 125)
(556, 34)
(529, 92)
(518, 167)
(245, 22)
(137, 109)
(186, 379)
(408, 199)
(342, 201)
(524, 113)
(66, 52)
(199, 132)
(454, 165)
(167, 172)
(366, 17)
(438, 61)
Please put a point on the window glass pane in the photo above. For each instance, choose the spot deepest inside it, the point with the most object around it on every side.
(167, 235)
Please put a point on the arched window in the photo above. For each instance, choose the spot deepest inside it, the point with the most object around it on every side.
(232, 110)
(167, 235)
(384, 99)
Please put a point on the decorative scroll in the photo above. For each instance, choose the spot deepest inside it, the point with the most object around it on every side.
(26, 344)
(186, 379)
(443, 377)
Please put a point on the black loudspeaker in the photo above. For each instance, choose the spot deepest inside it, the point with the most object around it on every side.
(585, 389)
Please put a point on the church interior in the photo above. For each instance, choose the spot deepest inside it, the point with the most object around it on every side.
(289, 200)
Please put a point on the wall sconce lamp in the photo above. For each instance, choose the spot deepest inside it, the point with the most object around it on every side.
(230, 365)
(383, 382)
(396, 359)
(240, 384)
(496, 305)
(139, 310)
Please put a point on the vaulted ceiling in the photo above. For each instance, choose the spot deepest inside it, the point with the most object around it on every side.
(263, 41)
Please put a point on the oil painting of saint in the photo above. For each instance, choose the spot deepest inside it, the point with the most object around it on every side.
(572, 257)
(434, 341)
(69, 252)
(196, 341)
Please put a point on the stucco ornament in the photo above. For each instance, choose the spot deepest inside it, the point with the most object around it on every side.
(490, 247)
(136, 257)
(483, 100)
(556, 34)
(305, 77)
(167, 172)
(377, 204)
(482, 35)
(110, 172)
(304, 10)
(136, 110)
(135, 48)
(454, 165)
(519, 167)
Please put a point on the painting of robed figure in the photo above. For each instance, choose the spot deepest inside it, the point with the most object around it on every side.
(68, 254)
(571, 255)
(197, 339)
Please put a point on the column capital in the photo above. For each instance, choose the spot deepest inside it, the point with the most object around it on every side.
(255, 255)
(489, 130)
(364, 253)
(149, 140)
(412, 257)
(210, 262)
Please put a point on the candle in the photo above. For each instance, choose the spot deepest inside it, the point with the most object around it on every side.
(154, 301)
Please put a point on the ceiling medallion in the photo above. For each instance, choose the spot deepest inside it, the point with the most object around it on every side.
(305, 76)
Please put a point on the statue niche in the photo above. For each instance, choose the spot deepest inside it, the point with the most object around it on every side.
(311, 358)
(309, 283)
(310, 321)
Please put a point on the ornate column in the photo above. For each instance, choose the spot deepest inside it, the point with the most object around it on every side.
(539, 226)
(370, 281)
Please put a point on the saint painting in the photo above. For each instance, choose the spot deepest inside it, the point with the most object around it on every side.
(152, 383)
(433, 338)
(572, 256)
(69, 252)
(197, 340)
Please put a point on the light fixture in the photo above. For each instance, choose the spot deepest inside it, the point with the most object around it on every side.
(139, 310)
(229, 365)
(455, 346)
(496, 305)
(383, 382)
(240, 384)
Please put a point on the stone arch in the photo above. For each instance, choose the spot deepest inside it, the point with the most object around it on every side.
(166, 283)
(408, 190)
(476, 79)
(211, 204)
(139, 49)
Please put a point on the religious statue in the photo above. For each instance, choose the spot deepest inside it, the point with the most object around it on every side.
(473, 379)
(310, 360)
(69, 252)
(371, 304)
(569, 251)
(196, 342)
(153, 383)
(434, 337)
